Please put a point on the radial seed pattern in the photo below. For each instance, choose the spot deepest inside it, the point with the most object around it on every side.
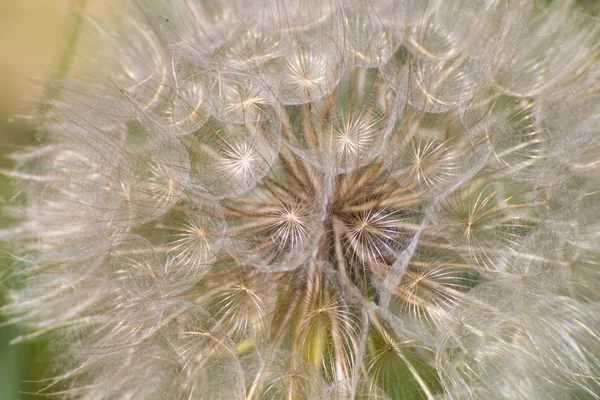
(273, 199)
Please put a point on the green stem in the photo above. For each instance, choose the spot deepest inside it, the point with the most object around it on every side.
(74, 28)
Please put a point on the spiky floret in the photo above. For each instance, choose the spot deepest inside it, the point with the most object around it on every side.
(320, 199)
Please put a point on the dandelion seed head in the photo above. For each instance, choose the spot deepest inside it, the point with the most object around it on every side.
(272, 199)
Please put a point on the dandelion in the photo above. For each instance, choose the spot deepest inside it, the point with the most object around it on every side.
(311, 199)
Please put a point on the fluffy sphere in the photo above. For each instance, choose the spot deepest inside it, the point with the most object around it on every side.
(308, 199)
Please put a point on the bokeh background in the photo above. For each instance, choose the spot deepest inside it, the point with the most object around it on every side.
(30, 35)
(34, 36)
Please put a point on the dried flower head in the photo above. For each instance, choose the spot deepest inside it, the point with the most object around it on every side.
(345, 199)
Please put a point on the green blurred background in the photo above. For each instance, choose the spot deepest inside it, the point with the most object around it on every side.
(30, 35)
(33, 39)
(34, 36)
